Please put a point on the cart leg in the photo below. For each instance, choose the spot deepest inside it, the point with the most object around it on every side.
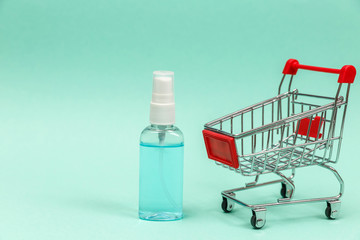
(338, 177)
(258, 218)
(253, 183)
(292, 174)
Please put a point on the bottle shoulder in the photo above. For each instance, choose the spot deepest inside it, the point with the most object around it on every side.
(151, 129)
(167, 135)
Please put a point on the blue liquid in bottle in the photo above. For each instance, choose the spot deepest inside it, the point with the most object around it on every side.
(161, 173)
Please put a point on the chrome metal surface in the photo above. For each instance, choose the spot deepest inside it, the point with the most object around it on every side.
(260, 217)
(227, 193)
(269, 139)
(334, 206)
(267, 133)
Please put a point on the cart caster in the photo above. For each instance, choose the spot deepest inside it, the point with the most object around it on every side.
(285, 191)
(227, 205)
(332, 209)
(258, 218)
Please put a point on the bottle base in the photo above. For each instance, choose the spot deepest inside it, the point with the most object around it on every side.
(160, 216)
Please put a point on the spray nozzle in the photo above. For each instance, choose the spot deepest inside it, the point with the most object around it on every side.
(162, 109)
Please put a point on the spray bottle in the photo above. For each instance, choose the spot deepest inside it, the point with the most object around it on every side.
(161, 156)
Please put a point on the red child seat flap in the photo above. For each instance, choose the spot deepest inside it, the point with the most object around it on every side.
(315, 125)
(221, 148)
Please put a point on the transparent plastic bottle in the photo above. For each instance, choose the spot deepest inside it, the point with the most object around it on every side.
(161, 156)
(161, 173)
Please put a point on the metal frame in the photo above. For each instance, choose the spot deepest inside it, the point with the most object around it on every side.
(278, 145)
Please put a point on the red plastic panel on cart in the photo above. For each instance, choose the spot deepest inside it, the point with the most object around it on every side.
(221, 148)
(347, 74)
(315, 125)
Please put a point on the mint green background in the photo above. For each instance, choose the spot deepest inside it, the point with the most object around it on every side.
(75, 86)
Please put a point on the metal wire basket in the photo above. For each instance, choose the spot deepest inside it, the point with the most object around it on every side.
(288, 131)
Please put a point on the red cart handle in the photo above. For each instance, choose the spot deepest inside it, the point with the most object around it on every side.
(346, 73)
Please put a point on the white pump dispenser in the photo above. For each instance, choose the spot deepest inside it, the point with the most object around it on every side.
(162, 107)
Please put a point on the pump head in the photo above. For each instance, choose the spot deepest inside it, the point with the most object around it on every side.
(162, 106)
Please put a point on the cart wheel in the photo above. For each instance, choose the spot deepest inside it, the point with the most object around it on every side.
(258, 218)
(332, 209)
(328, 212)
(283, 190)
(227, 206)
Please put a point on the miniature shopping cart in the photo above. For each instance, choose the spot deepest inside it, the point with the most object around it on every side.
(289, 131)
